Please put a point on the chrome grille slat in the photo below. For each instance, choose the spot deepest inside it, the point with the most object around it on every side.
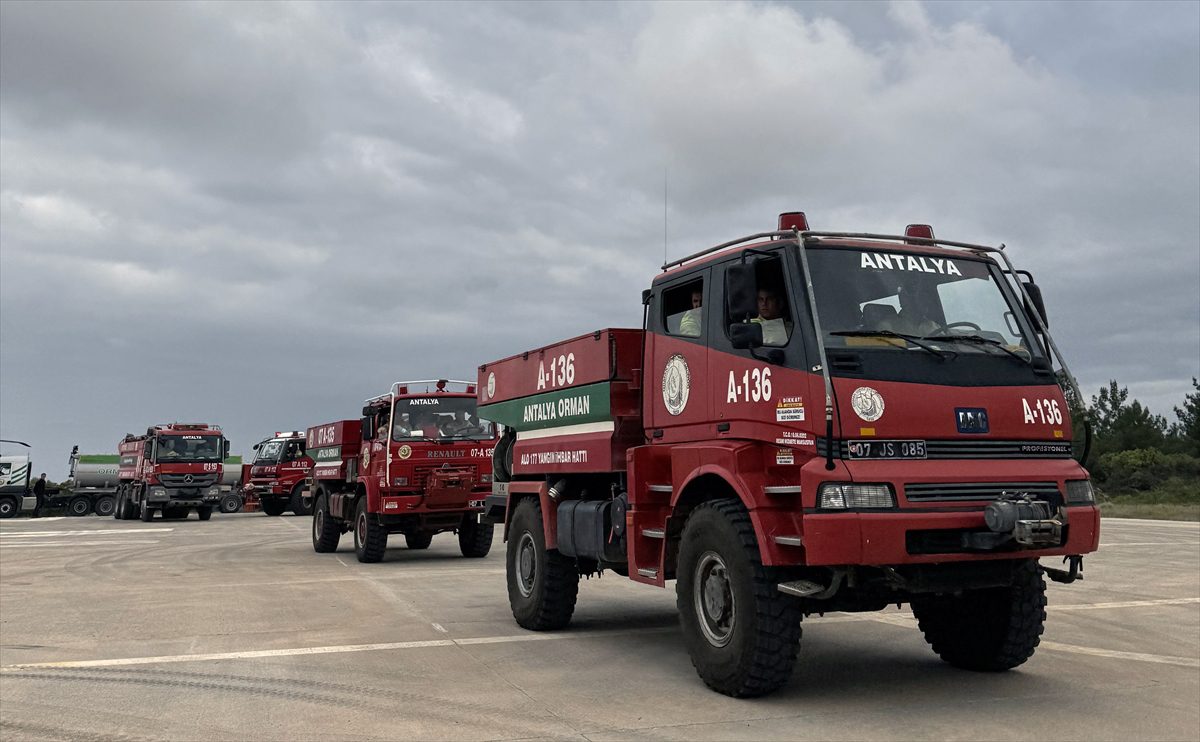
(945, 491)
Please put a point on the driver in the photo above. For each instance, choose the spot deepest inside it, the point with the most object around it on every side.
(459, 425)
(917, 314)
(775, 328)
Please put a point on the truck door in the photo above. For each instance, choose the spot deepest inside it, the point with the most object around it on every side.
(677, 334)
(764, 393)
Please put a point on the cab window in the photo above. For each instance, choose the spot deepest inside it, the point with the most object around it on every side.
(774, 311)
(682, 309)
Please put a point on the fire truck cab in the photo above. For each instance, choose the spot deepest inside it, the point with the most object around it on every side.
(171, 469)
(277, 476)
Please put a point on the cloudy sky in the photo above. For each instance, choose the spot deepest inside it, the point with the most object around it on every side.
(259, 215)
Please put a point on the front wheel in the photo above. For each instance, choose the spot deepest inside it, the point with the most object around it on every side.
(418, 540)
(370, 538)
(79, 507)
(8, 507)
(988, 630)
(272, 506)
(474, 538)
(326, 531)
(542, 584)
(742, 634)
(105, 506)
(146, 513)
(205, 512)
(296, 501)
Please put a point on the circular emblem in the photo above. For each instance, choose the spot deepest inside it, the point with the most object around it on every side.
(491, 385)
(405, 451)
(187, 478)
(366, 455)
(676, 384)
(867, 403)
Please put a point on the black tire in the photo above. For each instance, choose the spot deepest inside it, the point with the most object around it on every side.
(106, 506)
(502, 456)
(205, 512)
(989, 630)
(296, 501)
(230, 503)
(8, 507)
(474, 538)
(542, 585)
(370, 538)
(79, 507)
(174, 513)
(146, 513)
(742, 634)
(326, 531)
(131, 509)
(273, 506)
(419, 540)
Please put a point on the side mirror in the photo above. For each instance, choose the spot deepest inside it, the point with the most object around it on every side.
(367, 411)
(368, 427)
(1035, 294)
(746, 335)
(741, 290)
(224, 448)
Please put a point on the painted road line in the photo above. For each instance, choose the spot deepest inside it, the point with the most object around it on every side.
(1112, 654)
(1122, 604)
(336, 649)
(1144, 522)
(1150, 543)
(57, 544)
(105, 532)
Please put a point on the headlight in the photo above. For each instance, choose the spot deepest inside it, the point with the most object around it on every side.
(845, 496)
(1080, 490)
(214, 491)
(485, 478)
(158, 492)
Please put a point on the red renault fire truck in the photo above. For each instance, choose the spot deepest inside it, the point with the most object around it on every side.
(277, 476)
(417, 463)
(172, 468)
(807, 422)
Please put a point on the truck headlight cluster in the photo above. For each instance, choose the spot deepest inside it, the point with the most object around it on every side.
(1080, 491)
(158, 492)
(485, 478)
(846, 496)
(214, 491)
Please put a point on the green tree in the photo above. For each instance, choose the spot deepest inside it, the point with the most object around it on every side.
(1186, 432)
(1121, 425)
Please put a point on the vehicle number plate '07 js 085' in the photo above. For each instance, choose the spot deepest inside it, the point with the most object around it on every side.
(887, 449)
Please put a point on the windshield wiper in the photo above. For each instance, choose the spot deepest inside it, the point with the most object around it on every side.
(984, 341)
(942, 354)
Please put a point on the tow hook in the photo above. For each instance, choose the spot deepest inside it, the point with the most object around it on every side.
(1073, 572)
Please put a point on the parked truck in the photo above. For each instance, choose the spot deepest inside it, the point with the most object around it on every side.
(277, 476)
(171, 469)
(806, 422)
(15, 475)
(418, 462)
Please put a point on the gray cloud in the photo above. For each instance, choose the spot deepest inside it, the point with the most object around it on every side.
(261, 214)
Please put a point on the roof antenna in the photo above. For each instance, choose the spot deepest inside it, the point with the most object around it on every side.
(666, 172)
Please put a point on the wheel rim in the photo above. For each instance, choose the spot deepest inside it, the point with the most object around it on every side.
(318, 521)
(526, 564)
(713, 597)
(79, 508)
(360, 528)
(102, 507)
(6, 507)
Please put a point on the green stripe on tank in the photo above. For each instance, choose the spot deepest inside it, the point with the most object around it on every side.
(99, 458)
(325, 455)
(573, 406)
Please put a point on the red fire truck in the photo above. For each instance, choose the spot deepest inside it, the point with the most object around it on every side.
(172, 468)
(807, 422)
(417, 463)
(277, 476)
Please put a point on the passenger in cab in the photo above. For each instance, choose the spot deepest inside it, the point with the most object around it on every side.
(776, 327)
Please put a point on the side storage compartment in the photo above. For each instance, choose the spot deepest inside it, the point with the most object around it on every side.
(585, 529)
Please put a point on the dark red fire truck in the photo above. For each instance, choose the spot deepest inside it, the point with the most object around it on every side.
(173, 468)
(418, 462)
(807, 422)
(277, 477)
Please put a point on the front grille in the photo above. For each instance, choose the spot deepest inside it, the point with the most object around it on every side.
(420, 476)
(977, 449)
(950, 491)
(180, 480)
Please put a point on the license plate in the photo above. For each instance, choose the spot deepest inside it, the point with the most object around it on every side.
(887, 449)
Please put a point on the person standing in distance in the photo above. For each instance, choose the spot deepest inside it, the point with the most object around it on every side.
(39, 494)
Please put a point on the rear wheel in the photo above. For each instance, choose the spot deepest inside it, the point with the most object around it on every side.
(204, 512)
(988, 630)
(370, 538)
(418, 540)
(273, 506)
(146, 513)
(296, 501)
(105, 506)
(8, 507)
(231, 503)
(326, 531)
(742, 634)
(79, 507)
(542, 584)
(474, 538)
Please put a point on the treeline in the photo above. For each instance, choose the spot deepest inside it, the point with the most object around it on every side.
(1136, 453)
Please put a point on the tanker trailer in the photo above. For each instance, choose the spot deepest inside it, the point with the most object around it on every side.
(93, 483)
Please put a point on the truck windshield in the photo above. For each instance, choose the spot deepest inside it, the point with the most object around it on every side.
(176, 448)
(439, 417)
(909, 302)
(269, 452)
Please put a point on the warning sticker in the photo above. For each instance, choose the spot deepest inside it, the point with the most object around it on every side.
(789, 410)
(784, 456)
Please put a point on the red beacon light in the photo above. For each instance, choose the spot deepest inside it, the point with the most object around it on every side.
(790, 220)
(924, 231)
(441, 385)
(470, 388)
(402, 390)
